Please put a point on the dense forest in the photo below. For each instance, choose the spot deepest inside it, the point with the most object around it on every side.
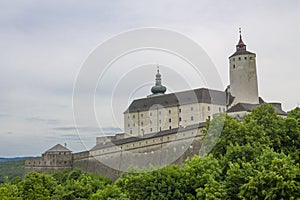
(254, 159)
(11, 169)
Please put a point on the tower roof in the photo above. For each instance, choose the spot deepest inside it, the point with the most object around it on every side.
(158, 88)
(241, 47)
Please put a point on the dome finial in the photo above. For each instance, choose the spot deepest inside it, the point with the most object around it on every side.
(158, 89)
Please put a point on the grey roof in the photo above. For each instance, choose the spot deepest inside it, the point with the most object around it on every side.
(201, 95)
(58, 148)
(249, 107)
(147, 136)
(241, 53)
(242, 107)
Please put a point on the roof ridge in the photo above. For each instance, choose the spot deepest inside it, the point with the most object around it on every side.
(58, 147)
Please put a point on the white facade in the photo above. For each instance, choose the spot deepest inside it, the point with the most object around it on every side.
(164, 118)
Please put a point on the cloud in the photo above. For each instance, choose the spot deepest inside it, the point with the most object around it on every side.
(43, 45)
(43, 120)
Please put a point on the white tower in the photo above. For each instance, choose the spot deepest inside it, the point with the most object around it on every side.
(243, 76)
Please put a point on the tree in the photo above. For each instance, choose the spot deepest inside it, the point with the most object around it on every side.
(110, 192)
(38, 186)
(276, 177)
(202, 178)
(164, 183)
(270, 123)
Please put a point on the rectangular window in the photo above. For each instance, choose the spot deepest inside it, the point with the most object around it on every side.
(170, 111)
(142, 115)
(192, 118)
(142, 123)
(180, 110)
(128, 125)
(192, 108)
(180, 119)
(133, 116)
(208, 108)
(150, 113)
(170, 120)
(150, 129)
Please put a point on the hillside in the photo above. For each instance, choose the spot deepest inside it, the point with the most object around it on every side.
(11, 169)
(14, 158)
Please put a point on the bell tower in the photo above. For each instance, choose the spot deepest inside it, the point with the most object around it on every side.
(243, 75)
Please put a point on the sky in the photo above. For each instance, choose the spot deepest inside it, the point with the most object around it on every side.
(44, 44)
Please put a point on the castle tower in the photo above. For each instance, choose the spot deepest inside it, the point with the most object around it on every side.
(243, 76)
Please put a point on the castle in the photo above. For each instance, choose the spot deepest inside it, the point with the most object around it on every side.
(163, 128)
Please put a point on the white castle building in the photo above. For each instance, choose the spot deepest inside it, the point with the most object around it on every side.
(160, 121)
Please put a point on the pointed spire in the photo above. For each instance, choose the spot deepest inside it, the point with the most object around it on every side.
(158, 77)
(240, 46)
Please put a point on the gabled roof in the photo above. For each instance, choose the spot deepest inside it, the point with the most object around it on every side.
(58, 148)
(201, 95)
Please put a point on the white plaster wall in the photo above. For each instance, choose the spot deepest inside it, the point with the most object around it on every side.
(243, 79)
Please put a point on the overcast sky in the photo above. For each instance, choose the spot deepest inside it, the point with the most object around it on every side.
(43, 45)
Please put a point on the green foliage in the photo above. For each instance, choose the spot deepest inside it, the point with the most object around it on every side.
(276, 177)
(11, 169)
(164, 183)
(60, 185)
(110, 192)
(202, 177)
(38, 186)
(254, 159)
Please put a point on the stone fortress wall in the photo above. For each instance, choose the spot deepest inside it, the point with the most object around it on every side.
(112, 159)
